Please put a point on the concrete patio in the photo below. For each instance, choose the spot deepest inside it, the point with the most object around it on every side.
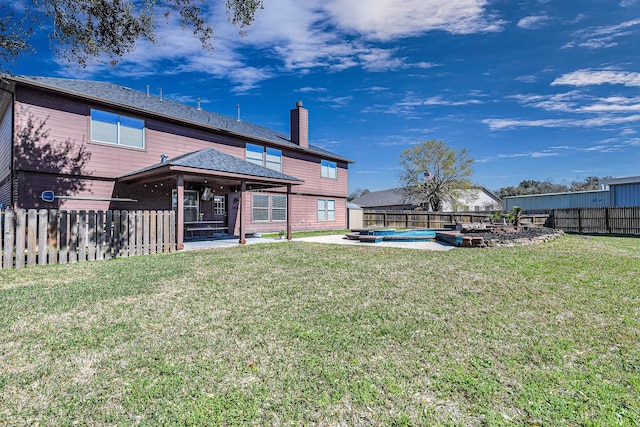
(338, 239)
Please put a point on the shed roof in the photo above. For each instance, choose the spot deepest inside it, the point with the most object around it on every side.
(129, 98)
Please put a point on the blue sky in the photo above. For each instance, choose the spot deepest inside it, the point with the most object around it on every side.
(534, 89)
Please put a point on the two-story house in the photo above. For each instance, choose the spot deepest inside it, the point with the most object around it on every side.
(86, 145)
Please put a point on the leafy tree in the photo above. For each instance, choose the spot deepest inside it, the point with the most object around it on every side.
(357, 193)
(589, 183)
(528, 187)
(433, 173)
(87, 29)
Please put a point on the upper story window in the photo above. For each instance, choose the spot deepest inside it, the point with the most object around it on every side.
(328, 169)
(116, 129)
(264, 156)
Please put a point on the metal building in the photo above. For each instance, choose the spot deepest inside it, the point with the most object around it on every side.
(614, 192)
(547, 202)
(624, 192)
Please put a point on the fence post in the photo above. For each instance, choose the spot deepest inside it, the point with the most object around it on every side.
(166, 226)
(124, 233)
(73, 236)
(145, 232)
(91, 235)
(82, 236)
(117, 235)
(132, 233)
(100, 235)
(108, 226)
(53, 236)
(153, 229)
(9, 217)
(172, 230)
(42, 236)
(64, 237)
(139, 233)
(21, 220)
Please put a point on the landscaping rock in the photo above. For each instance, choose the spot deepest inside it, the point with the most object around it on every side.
(507, 236)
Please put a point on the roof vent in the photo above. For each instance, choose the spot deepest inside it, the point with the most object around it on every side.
(198, 99)
(238, 110)
(163, 158)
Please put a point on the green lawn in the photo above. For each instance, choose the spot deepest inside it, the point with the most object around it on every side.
(310, 334)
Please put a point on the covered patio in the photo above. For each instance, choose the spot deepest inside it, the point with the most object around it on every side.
(216, 171)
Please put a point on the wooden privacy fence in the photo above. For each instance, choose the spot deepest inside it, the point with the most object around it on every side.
(599, 220)
(423, 219)
(40, 237)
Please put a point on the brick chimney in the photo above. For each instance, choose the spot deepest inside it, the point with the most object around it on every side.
(300, 126)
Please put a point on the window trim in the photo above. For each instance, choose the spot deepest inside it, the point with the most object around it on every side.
(325, 214)
(282, 210)
(266, 156)
(196, 205)
(120, 129)
(270, 209)
(261, 208)
(328, 169)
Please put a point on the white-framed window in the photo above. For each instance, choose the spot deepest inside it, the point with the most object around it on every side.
(328, 169)
(255, 154)
(264, 156)
(274, 159)
(267, 208)
(278, 208)
(260, 205)
(326, 210)
(219, 205)
(113, 128)
(191, 204)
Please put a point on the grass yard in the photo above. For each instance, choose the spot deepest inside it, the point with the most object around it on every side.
(310, 334)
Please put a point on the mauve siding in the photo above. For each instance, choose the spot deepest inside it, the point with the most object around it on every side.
(304, 214)
(67, 120)
(5, 156)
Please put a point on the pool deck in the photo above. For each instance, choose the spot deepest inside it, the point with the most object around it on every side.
(339, 239)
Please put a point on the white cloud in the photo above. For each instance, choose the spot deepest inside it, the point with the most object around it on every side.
(533, 22)
(390, 19)
(312, 89)
(614, 104)
(565, 102)
(438, 100)
(604, 36)
(301, 36)
(597, 77)
(337, 101)
(526, 79)
(533, 154)
(604, 120)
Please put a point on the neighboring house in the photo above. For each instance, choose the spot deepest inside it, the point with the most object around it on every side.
(613, 192)
(474, 199)
(101, 146)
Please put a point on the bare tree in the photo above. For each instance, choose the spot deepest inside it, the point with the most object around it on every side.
(433, 173)
(87, 29)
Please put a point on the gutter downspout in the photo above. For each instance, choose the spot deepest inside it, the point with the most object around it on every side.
(13, 139)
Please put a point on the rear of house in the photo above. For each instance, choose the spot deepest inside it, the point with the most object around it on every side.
(99, 146)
